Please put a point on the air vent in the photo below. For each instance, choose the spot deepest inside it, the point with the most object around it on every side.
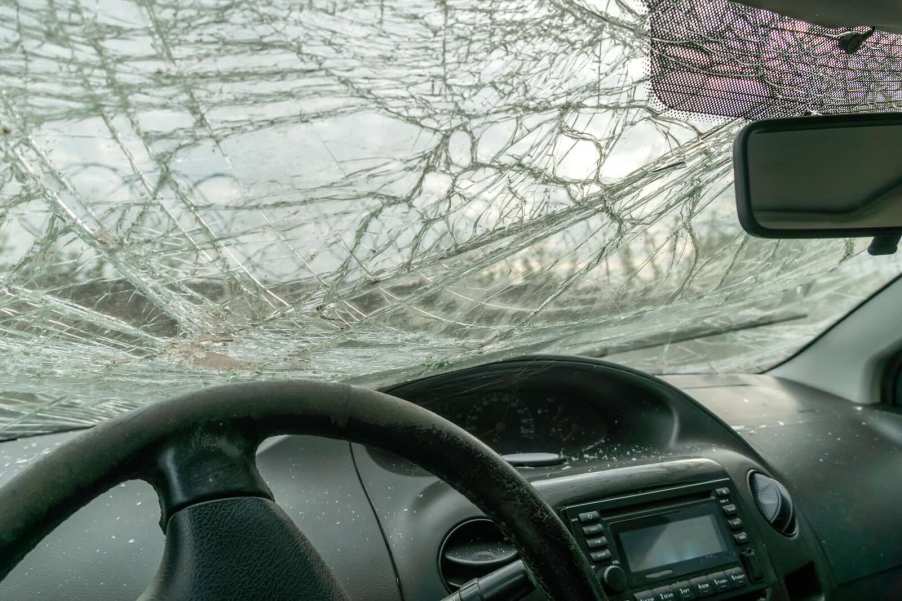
(473, 549)
(774, 503)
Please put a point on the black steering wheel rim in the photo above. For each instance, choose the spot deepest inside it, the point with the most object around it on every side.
(216, 432)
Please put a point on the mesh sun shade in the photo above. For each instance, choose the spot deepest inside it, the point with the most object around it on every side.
(721, 58)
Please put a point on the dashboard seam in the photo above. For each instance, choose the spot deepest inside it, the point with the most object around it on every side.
(369, 500)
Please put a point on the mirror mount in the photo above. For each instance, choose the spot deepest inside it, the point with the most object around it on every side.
(851, 41)
(885, 244)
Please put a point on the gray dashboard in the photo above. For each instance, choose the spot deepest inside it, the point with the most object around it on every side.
(379, 521)
(841, 460)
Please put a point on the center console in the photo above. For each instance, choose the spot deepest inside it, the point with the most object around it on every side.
(680, 543)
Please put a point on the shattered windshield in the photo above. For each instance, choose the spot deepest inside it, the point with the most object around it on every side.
(199, 192)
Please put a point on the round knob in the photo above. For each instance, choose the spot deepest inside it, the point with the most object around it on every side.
(614, 578)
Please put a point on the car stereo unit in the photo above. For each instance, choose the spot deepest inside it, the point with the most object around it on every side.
(669, 545)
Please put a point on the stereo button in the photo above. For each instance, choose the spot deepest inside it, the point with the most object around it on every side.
(737, 577)
(594, 543)
(665, 593)
(741, 537)
(702, 586)
(589, 516)
(600, 555)
(729, 509)
(721, 581)
(723, 491)
(645, 596)
(593, 529)
(735, 523)
(684, 591)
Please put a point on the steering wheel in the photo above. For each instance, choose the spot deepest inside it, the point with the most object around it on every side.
(225, 537)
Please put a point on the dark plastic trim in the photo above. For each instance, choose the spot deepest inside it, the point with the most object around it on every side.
(741, 172)
(890, 381)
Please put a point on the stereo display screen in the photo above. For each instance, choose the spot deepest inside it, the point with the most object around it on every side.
(665, 542)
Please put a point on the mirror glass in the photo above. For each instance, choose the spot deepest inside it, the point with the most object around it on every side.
(827, 176)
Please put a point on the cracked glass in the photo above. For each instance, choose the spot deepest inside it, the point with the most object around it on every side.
(203, 192)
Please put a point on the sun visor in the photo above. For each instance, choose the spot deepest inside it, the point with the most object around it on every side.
(718, 57)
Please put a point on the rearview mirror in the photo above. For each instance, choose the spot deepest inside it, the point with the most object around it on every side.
(822, 177)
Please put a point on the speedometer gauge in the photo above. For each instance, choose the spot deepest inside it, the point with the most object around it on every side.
(501, 421)
(526, 421)
(562, 426)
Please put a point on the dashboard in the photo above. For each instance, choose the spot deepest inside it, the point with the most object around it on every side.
(622, 456)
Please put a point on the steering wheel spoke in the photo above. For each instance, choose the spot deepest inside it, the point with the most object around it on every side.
(211, 460)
